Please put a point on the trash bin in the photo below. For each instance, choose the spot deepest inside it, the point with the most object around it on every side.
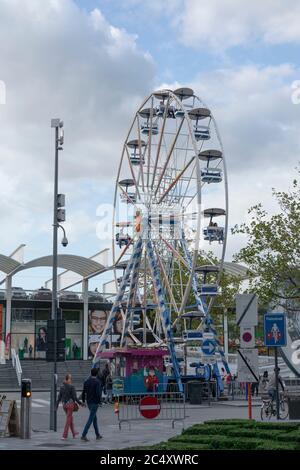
(195, 390)
(294, 406)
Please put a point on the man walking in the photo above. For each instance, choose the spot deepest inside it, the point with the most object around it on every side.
(92, 392)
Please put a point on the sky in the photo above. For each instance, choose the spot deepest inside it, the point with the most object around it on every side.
(91, 63)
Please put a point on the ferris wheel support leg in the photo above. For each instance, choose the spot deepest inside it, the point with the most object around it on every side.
(219, 378)
(209, 323)
(116, 305)
(199, 302)
(165, 313)
(132, 290)
(202, 306)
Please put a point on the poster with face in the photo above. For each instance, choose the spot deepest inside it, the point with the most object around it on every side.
(41, 341)
(97, 322)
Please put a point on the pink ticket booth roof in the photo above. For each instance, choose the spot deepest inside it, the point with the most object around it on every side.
(138, 358)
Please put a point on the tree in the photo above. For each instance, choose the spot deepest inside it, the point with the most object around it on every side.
(272, 253)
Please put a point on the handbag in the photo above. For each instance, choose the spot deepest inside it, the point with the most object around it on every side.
(76, 407)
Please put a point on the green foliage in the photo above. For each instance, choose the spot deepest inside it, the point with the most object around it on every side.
(235, 434)
(272, 252)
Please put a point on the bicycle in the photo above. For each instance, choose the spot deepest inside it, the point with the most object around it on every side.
(268, 408)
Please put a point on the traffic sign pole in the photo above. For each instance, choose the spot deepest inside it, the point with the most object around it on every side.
(249, 401)
(276, 382)
(275, 335)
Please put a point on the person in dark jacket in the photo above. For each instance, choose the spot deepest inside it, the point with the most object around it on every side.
(68, 397)
(102, 375)
(91, 394)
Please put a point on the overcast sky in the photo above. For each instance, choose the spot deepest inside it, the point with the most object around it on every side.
(92, 62)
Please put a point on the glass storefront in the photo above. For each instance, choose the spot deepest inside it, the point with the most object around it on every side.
(74, 322)
(29, 332)
(23, 332)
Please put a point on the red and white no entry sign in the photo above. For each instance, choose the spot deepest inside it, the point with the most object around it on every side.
(247, 337)
(149, 407)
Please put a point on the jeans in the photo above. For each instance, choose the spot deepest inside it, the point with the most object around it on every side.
(93, 407)
(272, 394)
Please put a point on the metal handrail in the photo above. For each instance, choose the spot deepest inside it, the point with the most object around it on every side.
(16, 365)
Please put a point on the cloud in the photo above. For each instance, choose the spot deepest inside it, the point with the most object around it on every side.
(259, 126)
(221, 25)
(257, 119)
(57, 60)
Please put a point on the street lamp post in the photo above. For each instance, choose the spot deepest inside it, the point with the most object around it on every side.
(58, 216)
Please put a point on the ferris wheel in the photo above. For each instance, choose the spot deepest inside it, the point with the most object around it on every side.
(170, 212)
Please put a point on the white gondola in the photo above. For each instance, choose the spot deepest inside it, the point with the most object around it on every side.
(209, 290)
(149, 114)
(192, 335)
(128, 198)
(201, 132)
(136, 157)
(136, 160)
(182, 94)
(123, 239)
(198, 114)
(146, 128)
(160, 111)
(211, 175)
(214, 233)
(179, 113)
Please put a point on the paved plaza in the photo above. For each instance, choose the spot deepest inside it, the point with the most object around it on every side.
(138, 434)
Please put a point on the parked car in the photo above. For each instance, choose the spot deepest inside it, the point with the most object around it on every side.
(68, 295)
(42, 294)
(18, 293)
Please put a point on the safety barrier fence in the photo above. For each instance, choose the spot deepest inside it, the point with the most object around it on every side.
(151, 406)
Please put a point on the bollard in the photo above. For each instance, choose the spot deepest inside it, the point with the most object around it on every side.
(25, 409)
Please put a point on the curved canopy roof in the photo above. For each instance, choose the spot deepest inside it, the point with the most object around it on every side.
(8, 265)
(78, 264)
(236, 270)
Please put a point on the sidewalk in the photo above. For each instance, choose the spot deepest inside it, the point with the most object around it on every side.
(141, 433)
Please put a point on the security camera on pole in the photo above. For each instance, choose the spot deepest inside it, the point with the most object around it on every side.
(59, 215)
(247, 319)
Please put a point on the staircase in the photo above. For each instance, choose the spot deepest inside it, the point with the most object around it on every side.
(40, 372)
(8, 377)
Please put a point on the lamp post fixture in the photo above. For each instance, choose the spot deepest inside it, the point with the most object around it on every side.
(58, 216)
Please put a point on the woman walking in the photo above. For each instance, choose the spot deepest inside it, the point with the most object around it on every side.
(68, 397)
